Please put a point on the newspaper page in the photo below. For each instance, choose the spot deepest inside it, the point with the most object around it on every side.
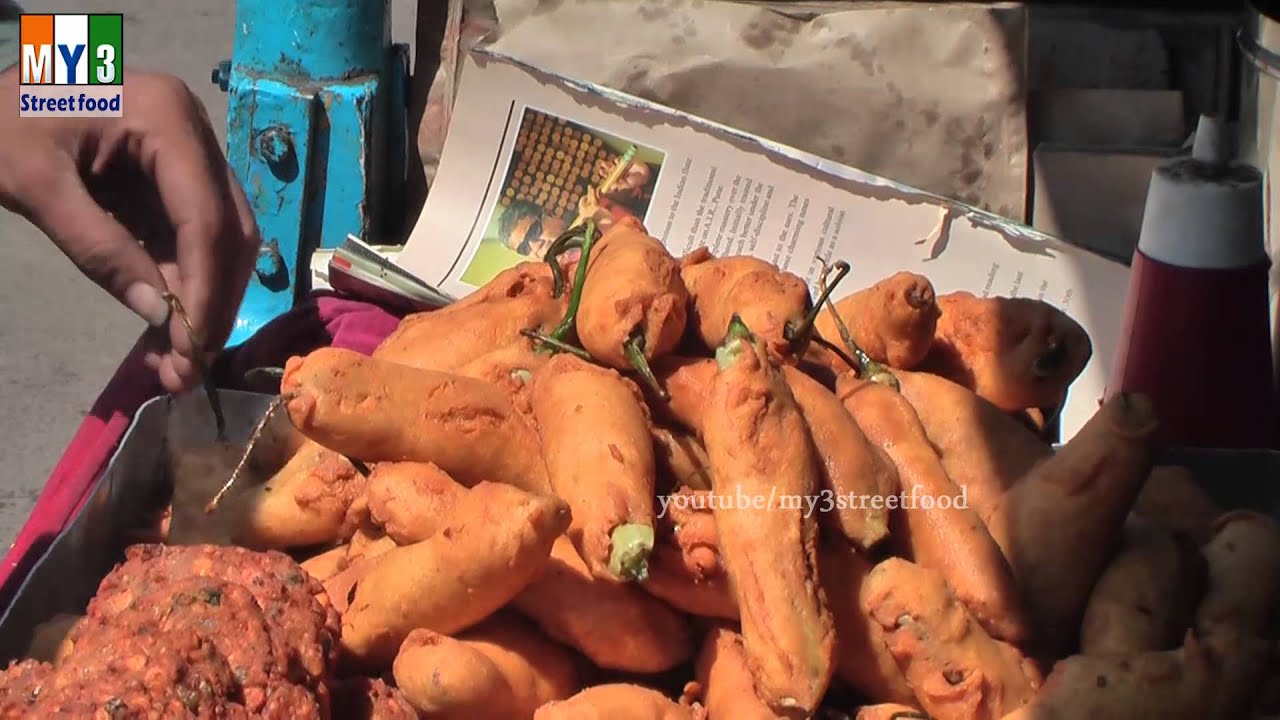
(529, 153)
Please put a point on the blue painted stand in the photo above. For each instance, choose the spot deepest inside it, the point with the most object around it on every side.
(316, 134)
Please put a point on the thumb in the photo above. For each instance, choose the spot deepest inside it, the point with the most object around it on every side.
(104, 250)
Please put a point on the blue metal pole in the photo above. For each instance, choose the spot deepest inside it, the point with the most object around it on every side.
(315, 132)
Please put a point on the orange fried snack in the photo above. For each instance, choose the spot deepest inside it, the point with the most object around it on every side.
(509, 366)
(615, 625)
(374, 410)
(892, 321)
(851, 466)
(599, 455)
(1016, 353)
(619, 701)
(1236, 618)
(410, 501)
(765, 298)
(1170, 685)
(687, 382)
(984, 450)
(722, 670)
(863, 661)
(950, 540)
(1171, 498)
(1062, 523)
(498, 542)
(686, 570)
(957, 670)
(517, 299)
(501, 668)
(890, 711)
(1146, 597)
(759, 447)
(310, 501)
(633, 300)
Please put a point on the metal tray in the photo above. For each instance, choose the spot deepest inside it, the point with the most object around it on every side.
(136, 482)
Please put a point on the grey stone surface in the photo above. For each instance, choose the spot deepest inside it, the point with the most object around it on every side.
(61, 338)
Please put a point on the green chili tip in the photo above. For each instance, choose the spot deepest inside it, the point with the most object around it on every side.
(634, 350)
(551, 344)
(632, 544)
(799, 335)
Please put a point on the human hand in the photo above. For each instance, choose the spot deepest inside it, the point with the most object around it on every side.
(144, 205)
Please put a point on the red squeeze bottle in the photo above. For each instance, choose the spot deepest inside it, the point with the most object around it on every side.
(1197, 325)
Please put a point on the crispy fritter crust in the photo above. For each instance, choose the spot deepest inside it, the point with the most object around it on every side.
(223, 613)
(172, 675)
(20, 687)
(302, 623)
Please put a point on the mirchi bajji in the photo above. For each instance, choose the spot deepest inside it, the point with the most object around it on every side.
(594, 430)
(374, 410)
(759, 446)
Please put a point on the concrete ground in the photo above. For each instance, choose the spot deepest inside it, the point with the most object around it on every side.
(61, 338)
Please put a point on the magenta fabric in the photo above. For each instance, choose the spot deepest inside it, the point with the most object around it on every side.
(325, 319)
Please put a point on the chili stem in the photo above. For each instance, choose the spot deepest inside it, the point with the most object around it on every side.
(865, 367)
(568, 240)
(566, 325)
(799, 335)
(634, 349)
(629, 557)
(554, 344)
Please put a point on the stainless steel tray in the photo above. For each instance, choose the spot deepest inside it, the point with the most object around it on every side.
(136, 482)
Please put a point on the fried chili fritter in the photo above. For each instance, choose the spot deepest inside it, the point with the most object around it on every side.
(176, 674)
(302, 624)
(223, 613)
(20, 687)
(365, 698)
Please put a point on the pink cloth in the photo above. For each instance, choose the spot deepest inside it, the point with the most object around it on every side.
(326, 319)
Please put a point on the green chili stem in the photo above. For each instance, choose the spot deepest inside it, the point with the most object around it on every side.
(634, 349)
(799, 335)
(568, 240)
(629, 559)
(555, 344)
(865, 367)
(839, 351)
(566, 325)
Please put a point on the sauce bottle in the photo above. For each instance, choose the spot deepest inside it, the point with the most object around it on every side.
(1197, 333)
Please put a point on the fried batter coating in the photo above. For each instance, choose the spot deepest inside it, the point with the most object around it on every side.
(303, 624)
(311, 500)
(166, 675)
(222, 613)
(20, 688)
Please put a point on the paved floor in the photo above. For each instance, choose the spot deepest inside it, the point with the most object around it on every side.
(61, 337)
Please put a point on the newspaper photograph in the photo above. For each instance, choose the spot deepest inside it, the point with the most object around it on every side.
(560, 173)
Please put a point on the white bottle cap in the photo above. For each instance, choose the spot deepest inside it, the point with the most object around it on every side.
(1204, 211)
